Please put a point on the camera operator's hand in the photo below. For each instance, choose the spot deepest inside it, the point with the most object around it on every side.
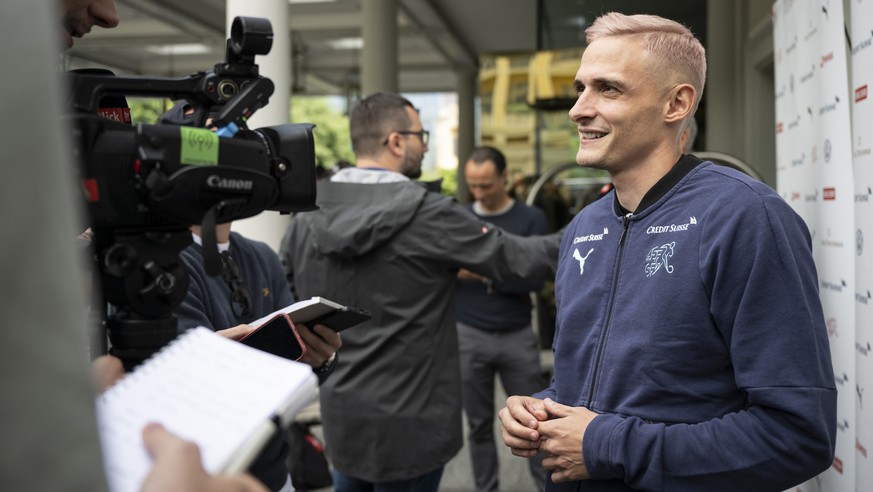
(105, 371)
(236, 332)
(177, 466)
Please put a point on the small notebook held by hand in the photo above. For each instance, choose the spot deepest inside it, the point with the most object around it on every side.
(216, 392)
(318, 310)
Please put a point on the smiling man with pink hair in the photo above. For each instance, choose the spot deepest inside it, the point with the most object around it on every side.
(690, 351)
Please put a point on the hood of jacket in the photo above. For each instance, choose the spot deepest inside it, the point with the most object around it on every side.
(354, 219)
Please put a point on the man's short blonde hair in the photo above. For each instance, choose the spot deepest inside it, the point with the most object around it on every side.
(671, 42)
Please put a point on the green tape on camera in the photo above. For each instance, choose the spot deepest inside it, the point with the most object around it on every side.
(199, 147)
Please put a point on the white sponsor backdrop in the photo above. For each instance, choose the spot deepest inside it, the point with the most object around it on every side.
(830, 183)
(861, 36)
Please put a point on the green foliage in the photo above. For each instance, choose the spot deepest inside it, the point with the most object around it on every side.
(332, 140)
(147, 110)
(449, 177)
(331, 133)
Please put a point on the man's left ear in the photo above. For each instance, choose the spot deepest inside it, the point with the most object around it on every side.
(681, 103)
(395, 144)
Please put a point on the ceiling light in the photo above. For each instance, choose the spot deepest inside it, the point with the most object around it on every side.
(180, 49)
(347, 43)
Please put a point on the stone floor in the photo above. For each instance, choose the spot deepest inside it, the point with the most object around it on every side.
(458, 477)
(514, 475)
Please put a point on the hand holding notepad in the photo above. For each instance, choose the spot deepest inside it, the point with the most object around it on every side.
(205, 388)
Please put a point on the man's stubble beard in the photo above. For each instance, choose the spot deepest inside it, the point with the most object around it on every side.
(412, 165)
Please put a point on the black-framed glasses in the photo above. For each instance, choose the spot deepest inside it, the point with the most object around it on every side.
(424, 135)
(240, 299)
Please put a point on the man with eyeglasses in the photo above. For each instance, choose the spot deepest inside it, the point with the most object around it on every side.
(392, 408)
(494, 321)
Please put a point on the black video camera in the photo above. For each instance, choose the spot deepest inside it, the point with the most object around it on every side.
(146, 184)
(151, 175)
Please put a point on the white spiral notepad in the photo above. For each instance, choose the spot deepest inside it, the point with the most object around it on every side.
(208, 389)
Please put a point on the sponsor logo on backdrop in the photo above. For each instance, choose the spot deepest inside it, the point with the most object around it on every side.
(827, 151)
(833, 243)
(860, 447)
(813, 30)
(831, 324)
(863, 45)
(859, 390)
(859, 242)
(862, 299)
(808, 75)
(838, 463)
(829, 193)
(795, 196)
(792, 46)
(859, 150)
(863, 348)
(811, 198)
(799, 161)
(793, 124)
(827, 58)
(827, 108)
(779, 127)
(842, 380)
(861, 93)
(864, 196)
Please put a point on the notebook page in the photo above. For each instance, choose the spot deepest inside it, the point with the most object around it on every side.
(203, 387)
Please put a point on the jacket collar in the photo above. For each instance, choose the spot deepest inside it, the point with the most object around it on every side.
(683, 166)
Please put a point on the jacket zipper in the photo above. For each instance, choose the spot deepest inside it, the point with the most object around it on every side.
(602, 342)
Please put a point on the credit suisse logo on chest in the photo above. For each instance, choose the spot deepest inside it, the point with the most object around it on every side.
(660, 257)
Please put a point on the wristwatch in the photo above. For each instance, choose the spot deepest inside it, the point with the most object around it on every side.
(328, 364)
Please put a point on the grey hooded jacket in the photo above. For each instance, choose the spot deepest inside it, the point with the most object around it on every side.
(392, 408)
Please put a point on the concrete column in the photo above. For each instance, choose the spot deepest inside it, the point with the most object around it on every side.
(723, 81)
(468, 81)
(379, 63)
(276, 66)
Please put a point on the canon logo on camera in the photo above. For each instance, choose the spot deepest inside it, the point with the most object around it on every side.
(229, 184)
